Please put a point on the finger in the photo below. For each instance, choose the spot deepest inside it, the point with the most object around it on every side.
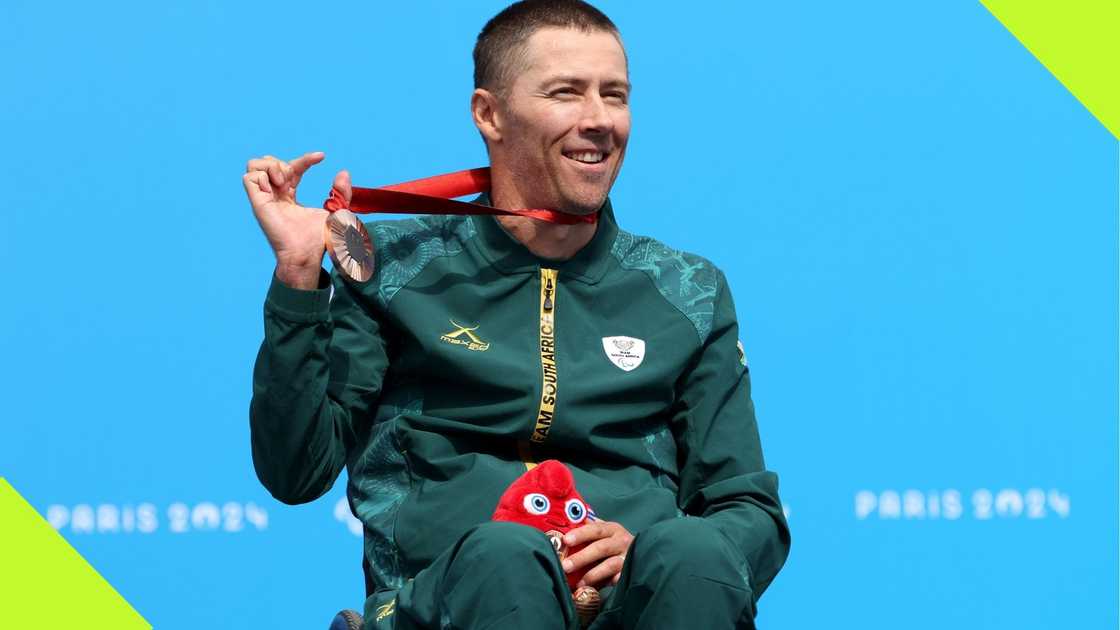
(300, 165)
(587, 533)
(593, 553)
(306, 161)
(276, 175)
(342, 185)
(290, 179)
(280, 174)
(258, 189)
(259, 164)
(256, 182)
(608, 569)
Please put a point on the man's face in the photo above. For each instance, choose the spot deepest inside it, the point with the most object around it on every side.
(568, 119)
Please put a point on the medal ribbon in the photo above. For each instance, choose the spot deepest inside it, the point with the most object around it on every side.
(434, 195)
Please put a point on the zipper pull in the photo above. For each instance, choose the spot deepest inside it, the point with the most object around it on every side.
(548, 295)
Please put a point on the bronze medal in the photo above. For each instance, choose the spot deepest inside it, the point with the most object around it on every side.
(349, 245)
(588, 602)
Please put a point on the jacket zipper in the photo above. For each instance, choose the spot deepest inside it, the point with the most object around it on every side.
(549, 381)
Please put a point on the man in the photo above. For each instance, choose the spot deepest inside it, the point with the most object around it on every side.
(482, 345)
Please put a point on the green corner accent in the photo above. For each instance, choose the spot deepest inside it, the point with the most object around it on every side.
(44, 582)
(1078, 41)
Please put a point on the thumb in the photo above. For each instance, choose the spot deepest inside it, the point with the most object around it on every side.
(342, 185)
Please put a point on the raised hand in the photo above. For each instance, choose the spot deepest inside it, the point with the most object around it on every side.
(295, 232)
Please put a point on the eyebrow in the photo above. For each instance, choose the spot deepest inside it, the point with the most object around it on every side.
(578, 81)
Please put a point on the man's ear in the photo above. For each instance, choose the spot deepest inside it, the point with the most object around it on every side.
(484, 111)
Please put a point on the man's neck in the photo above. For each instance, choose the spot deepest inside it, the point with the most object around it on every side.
(546, 240)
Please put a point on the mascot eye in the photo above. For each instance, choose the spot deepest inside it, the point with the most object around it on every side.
(537, 503)
(576, 510)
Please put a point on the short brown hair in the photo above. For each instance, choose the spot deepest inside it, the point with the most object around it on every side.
(501, 44)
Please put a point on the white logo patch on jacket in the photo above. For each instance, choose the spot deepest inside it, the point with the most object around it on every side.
(625, 352)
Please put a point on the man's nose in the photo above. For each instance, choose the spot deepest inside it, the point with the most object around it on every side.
(596, 117)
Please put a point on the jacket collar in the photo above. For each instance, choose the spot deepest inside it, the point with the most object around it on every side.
(509, 256)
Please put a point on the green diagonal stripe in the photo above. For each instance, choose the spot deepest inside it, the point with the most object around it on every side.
(45, 583)
(1078, 41)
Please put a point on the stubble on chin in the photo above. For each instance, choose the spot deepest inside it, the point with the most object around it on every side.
(585, 205)
(583, 199)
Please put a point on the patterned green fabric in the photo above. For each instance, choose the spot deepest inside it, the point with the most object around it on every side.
(663, 453)
(379, 483)
(687, 281)
(403, 248)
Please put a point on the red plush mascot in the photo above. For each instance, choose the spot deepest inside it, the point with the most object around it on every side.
(545, 498)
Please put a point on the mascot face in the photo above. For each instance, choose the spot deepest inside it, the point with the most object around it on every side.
(544, 498)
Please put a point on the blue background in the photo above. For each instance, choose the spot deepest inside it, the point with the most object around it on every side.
(919, 224)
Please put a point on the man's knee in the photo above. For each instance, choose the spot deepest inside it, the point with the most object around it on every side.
(685, 560)
(500, 545)
(687, 547)
(497, 575)
(505, 540)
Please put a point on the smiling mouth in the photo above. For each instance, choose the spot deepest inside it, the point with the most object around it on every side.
(586, 157)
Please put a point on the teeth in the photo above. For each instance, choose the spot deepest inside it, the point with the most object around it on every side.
(589, 157)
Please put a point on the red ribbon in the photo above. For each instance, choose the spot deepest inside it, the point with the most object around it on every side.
(434, 195)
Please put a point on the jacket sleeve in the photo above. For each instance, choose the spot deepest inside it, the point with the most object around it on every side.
(723, 477)
(316, 381)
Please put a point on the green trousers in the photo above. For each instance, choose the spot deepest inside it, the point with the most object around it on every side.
(681, 573)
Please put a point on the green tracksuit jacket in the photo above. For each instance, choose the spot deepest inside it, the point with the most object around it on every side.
(466, 356)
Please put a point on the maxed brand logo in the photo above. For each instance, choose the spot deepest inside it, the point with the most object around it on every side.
(982, 504)
(465, 336)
